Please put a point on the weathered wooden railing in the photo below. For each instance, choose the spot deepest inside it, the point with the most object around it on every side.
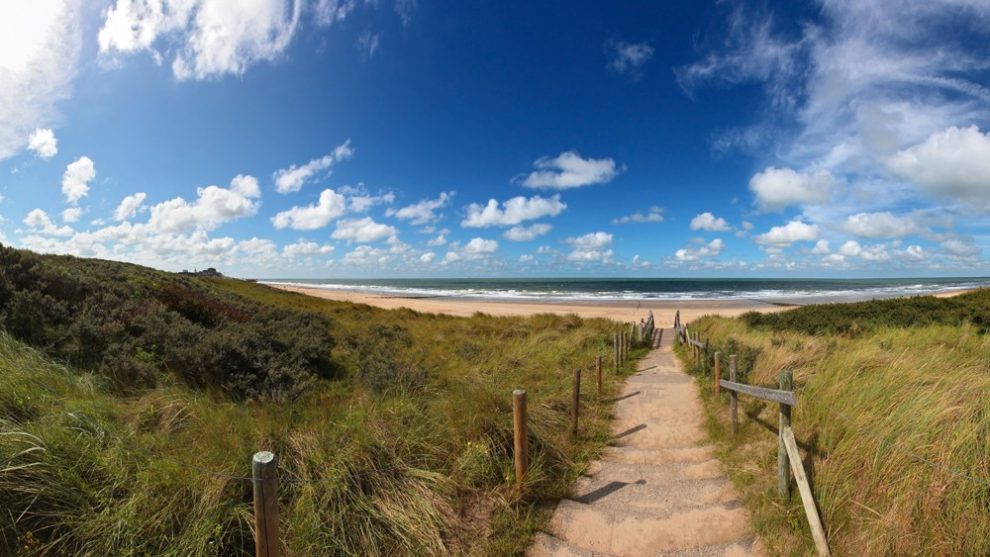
(788, 456)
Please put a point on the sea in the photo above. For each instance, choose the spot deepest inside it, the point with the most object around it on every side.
(785, 291)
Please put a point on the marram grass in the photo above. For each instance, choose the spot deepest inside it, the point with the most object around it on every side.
(894, 426)
(419, 467)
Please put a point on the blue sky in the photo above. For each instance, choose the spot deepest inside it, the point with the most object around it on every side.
(350, 138)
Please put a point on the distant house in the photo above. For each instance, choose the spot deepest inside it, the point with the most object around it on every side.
(210, 272)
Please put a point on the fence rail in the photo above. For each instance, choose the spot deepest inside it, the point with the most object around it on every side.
(788, 456)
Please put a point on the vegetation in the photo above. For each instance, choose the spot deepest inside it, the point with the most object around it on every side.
(392, 428)
(892, 418)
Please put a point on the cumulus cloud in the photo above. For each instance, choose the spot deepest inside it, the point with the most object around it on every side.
(310, 217)
(777, 188)
(875, 252)
(590, 247)
(39, 222)
(526, 233)
(709, 222)
(952, 164)
(626, 58)
(569, 170)
(476, 248)
(512, 211)
(654, 214)
(960, 247)
(75, 181)
(288, 180)
(305, 248)
(363, 230)
(880, 225)
(43, 142)
(71, 214)
(209, 38)
(711, 249)
(423, 212)
(822, 247)
(213, 206)
(40, 42)
(785, 235)
(427, 257)
(129, 206)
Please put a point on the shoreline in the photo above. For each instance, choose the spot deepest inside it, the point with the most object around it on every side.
(620, 310)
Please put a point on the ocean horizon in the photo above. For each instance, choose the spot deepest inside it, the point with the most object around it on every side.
(769, 290)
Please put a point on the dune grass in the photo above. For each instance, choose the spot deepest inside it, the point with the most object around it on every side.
(404, 450)
(893, 422)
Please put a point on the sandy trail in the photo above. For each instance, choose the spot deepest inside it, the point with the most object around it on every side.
(658, 490)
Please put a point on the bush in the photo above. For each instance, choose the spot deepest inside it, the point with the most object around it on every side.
(133, 324)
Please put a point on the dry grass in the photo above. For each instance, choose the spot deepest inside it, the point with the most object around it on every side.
(894, 428)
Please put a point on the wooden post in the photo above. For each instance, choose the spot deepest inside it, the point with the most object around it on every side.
(718, 374)
(521, 442)
(598, 378)
(807, 498)
(265, 483)
(577, 399)
(615, 349)
(622, 347)
(783, 471)
(733, 396)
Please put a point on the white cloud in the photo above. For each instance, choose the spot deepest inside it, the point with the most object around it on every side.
(41, 223)
(129, 206)
(368, 42)
(960, 247)
(711, 249)
(822, 247)
(428, 257)
(40, 43)
(305, 248)
(513, 211)
(362, 202)
(439, 240)
(43, 142)
(628, 58)
(209, 38)
(793, 231)
(570, 170)
(915, 253)
(655, 214)
(71, 214)
(777, 188)
(362, 230)
(330, 206)
(709, 222)
(328, 12)
(526, 234)
(880, 225)
(851, 248)
(213, 206)
(288, 180)
(952, 164)
(590, 247)
(367, 256)
(423, 212)
(75, 181)
(477, 248)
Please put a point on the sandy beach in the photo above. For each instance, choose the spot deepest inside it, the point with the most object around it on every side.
(663, 310)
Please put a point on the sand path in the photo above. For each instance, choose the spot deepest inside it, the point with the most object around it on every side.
(658, 490)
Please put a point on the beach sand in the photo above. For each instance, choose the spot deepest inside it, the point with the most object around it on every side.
(663, 310)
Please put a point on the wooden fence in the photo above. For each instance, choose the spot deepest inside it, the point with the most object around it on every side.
(788, 456)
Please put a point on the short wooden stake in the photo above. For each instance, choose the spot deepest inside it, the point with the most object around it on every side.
(718, 374)
(615, 349)
(577, 399)
(733, 396)
(783, 467)
(265, 483)
(598, 378)
(521, 442)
